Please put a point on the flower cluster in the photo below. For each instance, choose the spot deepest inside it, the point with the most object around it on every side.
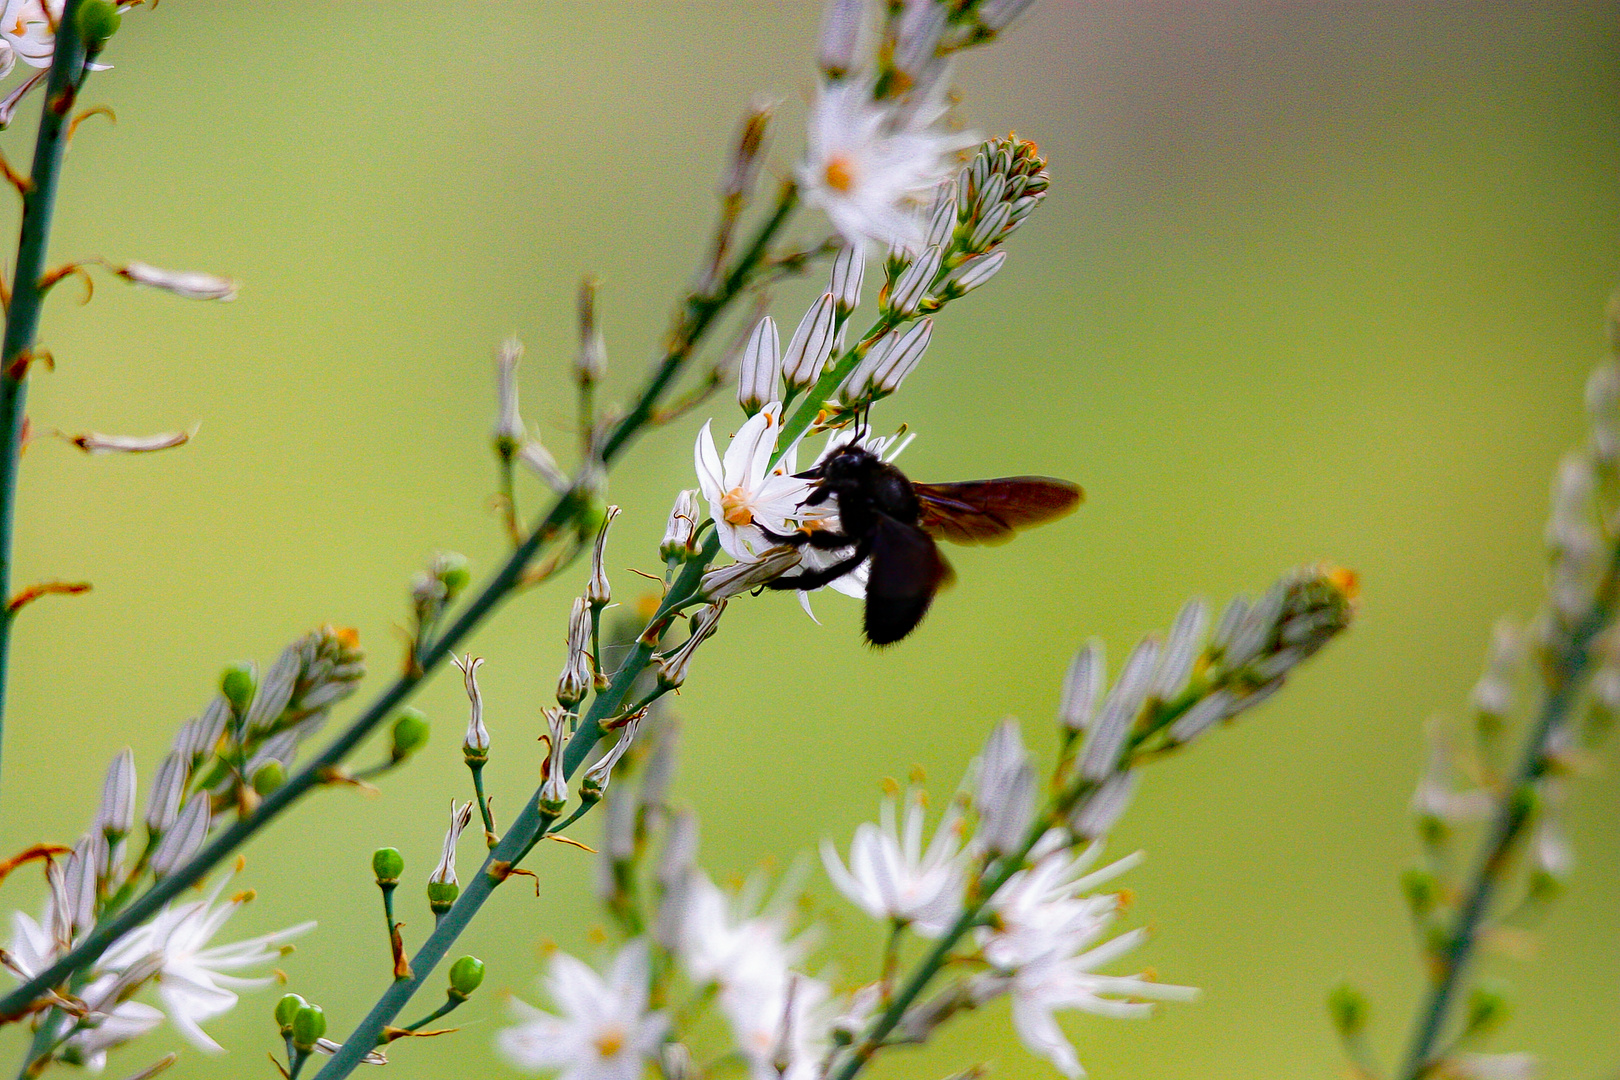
(194, 982)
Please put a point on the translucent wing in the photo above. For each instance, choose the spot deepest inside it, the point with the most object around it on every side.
(990, 511)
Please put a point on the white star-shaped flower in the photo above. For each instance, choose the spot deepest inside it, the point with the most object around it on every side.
(604, 1032)
(891, 876)
(744, 491)
(872, 166)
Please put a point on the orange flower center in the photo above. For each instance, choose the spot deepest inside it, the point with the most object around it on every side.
(734, 507)
(609, 1042)
(840, 174)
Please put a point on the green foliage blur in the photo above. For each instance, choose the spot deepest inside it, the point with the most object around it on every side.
(1312, 282)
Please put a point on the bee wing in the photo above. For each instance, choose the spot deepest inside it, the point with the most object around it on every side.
(990, 511)
(906, 570)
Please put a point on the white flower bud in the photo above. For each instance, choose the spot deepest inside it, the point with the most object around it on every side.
(182, 841)
(116, 816)
(190, 284)
(554, 791)
(728, 581)
(539, 461)
(900, 359)
(973, 273)
(1082, 686)
(1106, 739)
(445, 872)
(1180, 651)
(672, 666)
(913, 283)
(79, 882)
(591, 364)
(682, 525)
(509, 433)
(275, 690)
(1203, 714)
(477, 740)
(1096, 816)
(942, 219)
(990, 227)
(598, 591)
(597, 776)
(917, 38)
(1005, 791)
(163, 804)
(841, 27)
(849, 268)
(812, 342)
(760, 368)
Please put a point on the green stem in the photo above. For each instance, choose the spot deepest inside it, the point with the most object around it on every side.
(22, 317)
(1513, 813)
(483, 801)
(449, 1006)
(563, 513)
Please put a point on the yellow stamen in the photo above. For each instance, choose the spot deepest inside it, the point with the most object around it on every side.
(734, 507)
(840, 174)
(610, 1042)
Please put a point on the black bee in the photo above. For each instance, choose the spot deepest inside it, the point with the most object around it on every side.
(893, 521)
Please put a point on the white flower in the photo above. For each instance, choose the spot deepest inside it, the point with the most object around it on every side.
(744, 491)
(891, 877)
(874, 166)
(194, 981)
(728, 944)
(1436, 795)
(604, 1032)
(1047, 941)
(25, 27)
(782, 1032)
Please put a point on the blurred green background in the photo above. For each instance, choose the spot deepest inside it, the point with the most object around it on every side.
(1314, 281)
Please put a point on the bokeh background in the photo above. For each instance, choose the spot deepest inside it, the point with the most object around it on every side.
(1314, 281)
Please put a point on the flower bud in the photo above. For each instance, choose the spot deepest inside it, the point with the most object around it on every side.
(308, 1025)
(445, 872)
(971, 274)
(848, 270)
(442, 896)
(269, 776)
(672, 666)
(1422, 890)
(509, 433)
(554, 791)
(575, 680)
(903, 352)
(682, 526)
(728, 581)
(811, 345)
(475, 746)
(286, 1009)
(466, 975)
(841, 27)
(1488, 1009)
(760, 368)
(591, 364)
(387, 864)
(452, 570)
(597, 776)
(410, 733)
(163, 804)
(913, 283)
(182, 841)
(116, 815)
(237, 683)
(98, 22)
(922, 23)
(1347, 1007)
(187, 283)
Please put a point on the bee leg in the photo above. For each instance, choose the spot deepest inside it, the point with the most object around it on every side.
(815, 579)
(821, 539)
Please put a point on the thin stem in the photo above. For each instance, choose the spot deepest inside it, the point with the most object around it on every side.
(700, 313)
(1513, 813)
(483, 801)
(22, 317)
(450, 1005)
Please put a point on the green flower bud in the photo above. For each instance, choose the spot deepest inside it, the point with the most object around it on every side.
(1487, 1008)
(1421, 890)
(453, 572)
(269, 776)
(286, 1009)
(308, 1025)
(410, 733)
(465, 976)
(98, 21)
(388, 864)
(1348, 1009)
(442, 895)
(238, 684)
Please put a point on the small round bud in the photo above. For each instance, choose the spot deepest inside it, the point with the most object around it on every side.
(1488, 1009)
(410, 733)
(286, 1009)
(388, 864)
(442, 895)
(269, 776)
(1348, 1009)
(98, 21)
(308, 1025)
(237, 684)
(1421, 889)
(465, 976)
(453, 572)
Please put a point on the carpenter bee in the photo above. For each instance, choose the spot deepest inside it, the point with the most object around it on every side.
(886, 517)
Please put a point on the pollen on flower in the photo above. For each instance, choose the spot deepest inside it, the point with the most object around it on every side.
(610, 1041)
(1124, 899)
(840, 173)
(1345, 580)
(244, 896)
(597, 934)
(891, 787)
(918, 776)
(734, 507)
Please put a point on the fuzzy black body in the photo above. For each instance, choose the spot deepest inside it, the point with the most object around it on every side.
(887, 518)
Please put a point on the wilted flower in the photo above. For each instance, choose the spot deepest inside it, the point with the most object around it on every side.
(191, 284)
(604, 1032)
